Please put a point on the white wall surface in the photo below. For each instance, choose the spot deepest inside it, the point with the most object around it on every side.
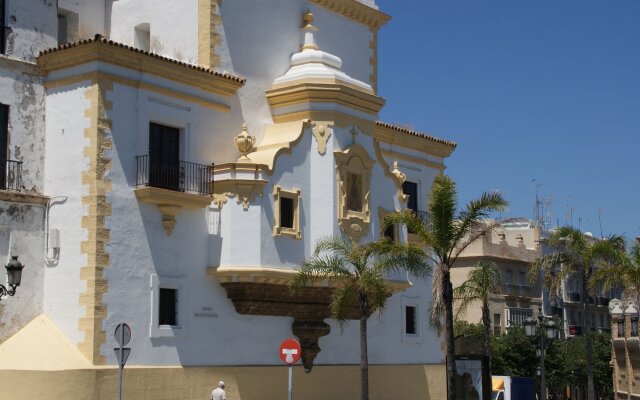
(173, 25)
(64, 164)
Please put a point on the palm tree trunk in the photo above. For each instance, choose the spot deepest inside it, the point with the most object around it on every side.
(447, 296)
(486, 371)
(591, 393)
(364, 359)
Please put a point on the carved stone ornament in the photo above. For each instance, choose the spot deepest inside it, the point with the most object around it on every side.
(321, 132)
(400, 178)
(244, 142)
(169, 217)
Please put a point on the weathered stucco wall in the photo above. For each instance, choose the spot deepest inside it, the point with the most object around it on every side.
(21, 234)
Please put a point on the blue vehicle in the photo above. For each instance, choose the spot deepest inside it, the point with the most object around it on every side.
(513, 388)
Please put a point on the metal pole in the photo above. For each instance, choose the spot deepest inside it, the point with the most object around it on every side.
(120, 366)
(290, 381)
(543, 388)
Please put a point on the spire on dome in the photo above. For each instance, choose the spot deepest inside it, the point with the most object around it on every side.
(309, 28)
(313, 63)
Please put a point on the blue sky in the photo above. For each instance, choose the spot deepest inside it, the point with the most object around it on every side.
(541, 90)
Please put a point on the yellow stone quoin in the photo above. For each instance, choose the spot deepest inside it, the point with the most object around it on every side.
(98, 210)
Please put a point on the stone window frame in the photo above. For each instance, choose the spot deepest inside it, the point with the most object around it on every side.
(354, 160)
(166, 331)
(295, 195)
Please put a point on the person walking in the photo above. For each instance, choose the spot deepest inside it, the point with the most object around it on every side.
(219, 393)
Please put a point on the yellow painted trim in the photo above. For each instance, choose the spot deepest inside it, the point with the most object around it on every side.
(382, 214)
(93, 76)
(373, 60)
(334, 118)
(354, 160)
(417, 160)
(208, 37)
(170, 202)
(245, 190)
(95, 180)
(140, 62)
(389, 174)
(419, 143)
(278, 139)
(324, 91)
(159, 196)
(356, 11)
(295, 195)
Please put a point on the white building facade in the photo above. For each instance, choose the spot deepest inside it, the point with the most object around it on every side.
(178, 162)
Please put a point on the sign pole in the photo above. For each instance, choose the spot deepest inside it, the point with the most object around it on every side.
(120, 365)
(122, 335)
(120, 372)
(290, 380)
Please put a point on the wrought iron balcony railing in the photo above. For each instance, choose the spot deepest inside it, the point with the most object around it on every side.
(10, 175)
(181, 176)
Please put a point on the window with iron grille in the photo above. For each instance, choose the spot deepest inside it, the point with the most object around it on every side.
(168, 310)
(518, 315)
(497, 324)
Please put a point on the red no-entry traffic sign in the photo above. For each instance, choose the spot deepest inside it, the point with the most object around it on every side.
(290, 351)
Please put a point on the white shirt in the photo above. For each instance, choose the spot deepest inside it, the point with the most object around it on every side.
(218, 394)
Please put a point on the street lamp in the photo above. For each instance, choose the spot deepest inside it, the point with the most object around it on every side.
(14, 276)
(548, 329)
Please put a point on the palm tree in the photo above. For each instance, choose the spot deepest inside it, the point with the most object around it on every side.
(575, 254)
(357, 273)
(624, 274)
(483, 280)
(447, 234)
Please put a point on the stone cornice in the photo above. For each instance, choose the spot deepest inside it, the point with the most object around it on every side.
(331, 92)
(24, 198)
(391, 134)
(356, 11)
(109, 52)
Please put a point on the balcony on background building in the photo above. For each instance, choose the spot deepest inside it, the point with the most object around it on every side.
(515, 290)
(11, 176)
(180, 176)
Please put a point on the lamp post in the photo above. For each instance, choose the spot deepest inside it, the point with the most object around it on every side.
(14, 276)
(548, 329)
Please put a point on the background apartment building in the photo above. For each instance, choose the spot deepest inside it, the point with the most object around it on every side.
(513, 247)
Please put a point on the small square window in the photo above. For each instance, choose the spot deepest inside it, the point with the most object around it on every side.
(168, 311)
(286, 212)
(410, 326)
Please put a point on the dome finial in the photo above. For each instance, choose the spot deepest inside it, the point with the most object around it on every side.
(309, 28)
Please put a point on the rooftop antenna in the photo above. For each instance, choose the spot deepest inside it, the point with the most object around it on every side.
(600, 211)
(538, 215)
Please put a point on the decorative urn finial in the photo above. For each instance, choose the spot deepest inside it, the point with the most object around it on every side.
(244, 142)
(309, 28)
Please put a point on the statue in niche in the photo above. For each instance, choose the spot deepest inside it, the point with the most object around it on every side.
(354, 192)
